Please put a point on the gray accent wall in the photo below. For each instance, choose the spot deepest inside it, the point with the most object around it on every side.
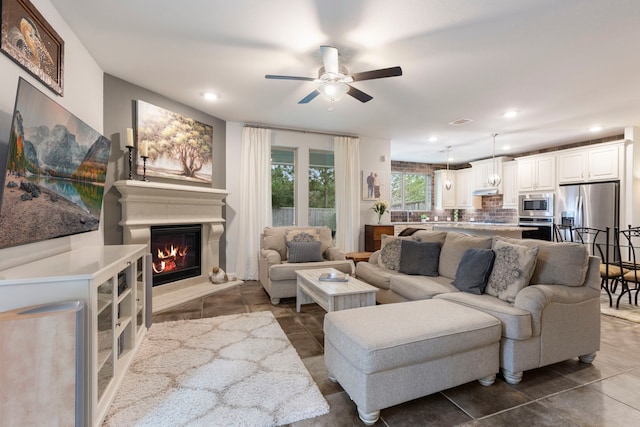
(119, 114)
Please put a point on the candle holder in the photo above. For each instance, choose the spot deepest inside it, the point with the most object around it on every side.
(144, 168)
(130, 161)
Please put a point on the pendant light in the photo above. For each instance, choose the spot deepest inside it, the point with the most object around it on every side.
(447, 182)
(494, 179)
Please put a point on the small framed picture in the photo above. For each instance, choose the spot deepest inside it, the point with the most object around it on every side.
(29, 40)
(371, 185)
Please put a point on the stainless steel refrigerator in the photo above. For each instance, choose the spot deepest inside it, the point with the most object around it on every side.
(595, 205)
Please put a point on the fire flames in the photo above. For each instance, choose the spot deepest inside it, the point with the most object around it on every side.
(169, 259)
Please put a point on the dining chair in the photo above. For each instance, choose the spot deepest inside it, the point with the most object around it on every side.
(630, 281)
(562, 233)
(599, 245)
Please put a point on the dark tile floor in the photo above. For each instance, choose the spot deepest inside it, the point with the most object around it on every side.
(605, 393)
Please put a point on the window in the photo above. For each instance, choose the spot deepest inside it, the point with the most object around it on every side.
(322, 189)
(283, 186)
(410, 191)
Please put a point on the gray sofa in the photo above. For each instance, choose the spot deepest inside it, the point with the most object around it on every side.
(276, 270)
(555, 317)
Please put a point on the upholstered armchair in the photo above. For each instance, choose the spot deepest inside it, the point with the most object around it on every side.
(283, 250)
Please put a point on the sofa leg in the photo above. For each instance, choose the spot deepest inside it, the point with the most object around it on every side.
(369, 418)
(588, 358)
(487, 381)
(275, 301)
(332, 378)
(512, 377)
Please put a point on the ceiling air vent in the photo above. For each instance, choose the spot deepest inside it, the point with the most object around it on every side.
(460, 122)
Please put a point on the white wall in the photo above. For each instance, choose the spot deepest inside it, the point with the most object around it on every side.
(83, 96)
(372, 151)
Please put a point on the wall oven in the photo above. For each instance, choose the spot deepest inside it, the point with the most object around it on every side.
(536, 216)
(537, 228)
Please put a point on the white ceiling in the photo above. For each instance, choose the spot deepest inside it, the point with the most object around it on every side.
(564, 65)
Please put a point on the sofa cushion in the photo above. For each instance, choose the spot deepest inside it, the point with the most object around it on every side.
(430, 236)
(517, 322)
(474, 270)
(390, 251)
(375, 275)
(419, 258)
(454, 246)
(287, 270)
(559, 263)
(512, 270)
(304, 251)
(420, 287)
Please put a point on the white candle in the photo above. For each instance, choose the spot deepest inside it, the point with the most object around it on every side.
(144, 148)
(129, 137)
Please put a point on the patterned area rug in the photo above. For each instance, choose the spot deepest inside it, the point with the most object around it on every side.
(237, 370)
(626, 311)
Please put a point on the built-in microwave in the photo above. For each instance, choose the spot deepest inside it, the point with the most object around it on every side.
(536, 205)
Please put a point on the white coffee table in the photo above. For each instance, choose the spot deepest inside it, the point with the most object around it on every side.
(332, 296)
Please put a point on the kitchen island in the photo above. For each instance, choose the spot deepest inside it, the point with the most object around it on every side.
(481, 229)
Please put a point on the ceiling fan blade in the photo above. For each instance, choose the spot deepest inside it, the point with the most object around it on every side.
(377, 74)
(330, 59)
(359, 95)
(271, 76)
(309, 97)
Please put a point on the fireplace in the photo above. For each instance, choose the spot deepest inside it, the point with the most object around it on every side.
(176, 252)
(146, 205)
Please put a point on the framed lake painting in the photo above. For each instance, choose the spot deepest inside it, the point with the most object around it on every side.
(174, 146)
(55, 173)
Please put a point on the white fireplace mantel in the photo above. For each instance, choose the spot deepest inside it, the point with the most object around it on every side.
(146, 204)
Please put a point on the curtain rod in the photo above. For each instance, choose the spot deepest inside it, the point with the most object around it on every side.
(254, 125)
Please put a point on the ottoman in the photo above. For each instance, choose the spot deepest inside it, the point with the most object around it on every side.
(388, 354)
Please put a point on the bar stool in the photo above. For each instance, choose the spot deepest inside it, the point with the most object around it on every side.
(629, 238)
(598, 243)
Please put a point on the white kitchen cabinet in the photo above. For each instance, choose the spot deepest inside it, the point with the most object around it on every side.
(444, 199)
(510, 185)
(464, 190)
(483, 168)
(587, 164)
(537, 173)
(113, 282)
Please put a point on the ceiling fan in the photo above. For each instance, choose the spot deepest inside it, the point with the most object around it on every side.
(334, 78)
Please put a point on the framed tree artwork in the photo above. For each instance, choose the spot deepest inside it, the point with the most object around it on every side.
(175, 146)
(29, 40)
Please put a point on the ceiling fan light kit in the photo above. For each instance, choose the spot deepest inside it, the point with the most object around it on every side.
(334, 78)
(333, 91)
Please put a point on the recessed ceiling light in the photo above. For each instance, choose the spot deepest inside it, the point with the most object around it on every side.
(210, 96)
(433, 139)
(510, 114)
(596, 128)
(506, 147)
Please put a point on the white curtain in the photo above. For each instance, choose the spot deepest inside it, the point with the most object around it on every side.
(347, 163)
(255, 198)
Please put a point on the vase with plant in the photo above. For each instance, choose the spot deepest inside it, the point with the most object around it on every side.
(380, 207)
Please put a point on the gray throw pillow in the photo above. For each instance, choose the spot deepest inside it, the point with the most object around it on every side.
(474, 270)
(304, 251)
(512, 270)
(419, 258)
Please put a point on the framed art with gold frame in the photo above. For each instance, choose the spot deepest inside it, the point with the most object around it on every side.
(28, 39)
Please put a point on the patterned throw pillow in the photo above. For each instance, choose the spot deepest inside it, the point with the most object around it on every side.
(390, 251)
(304, 251)
(301, 236)
(512, 270)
